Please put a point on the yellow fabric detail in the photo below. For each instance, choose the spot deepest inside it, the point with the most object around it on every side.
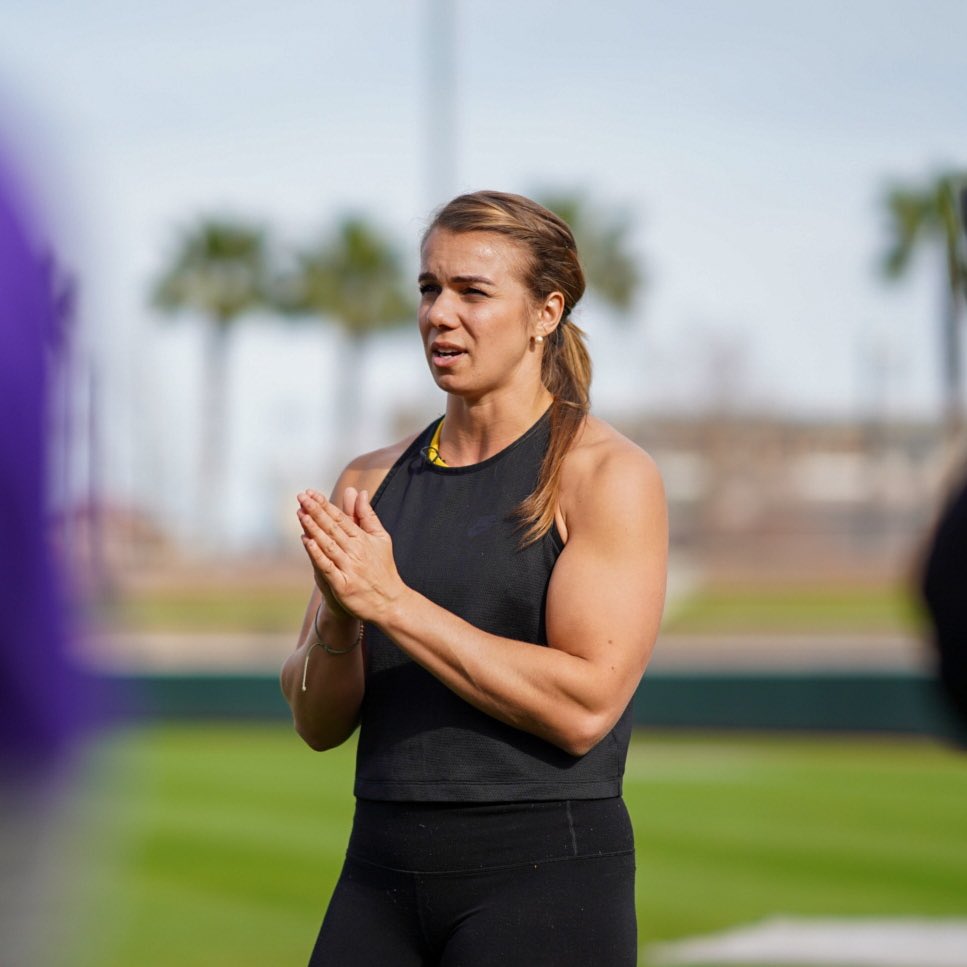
(433, 450)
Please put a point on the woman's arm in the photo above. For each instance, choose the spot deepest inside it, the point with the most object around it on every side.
(323, 689)
(603, 608)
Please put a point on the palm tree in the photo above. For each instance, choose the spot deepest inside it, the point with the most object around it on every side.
(353, 278)
(612, 271)
(218, 271)
(926, 216)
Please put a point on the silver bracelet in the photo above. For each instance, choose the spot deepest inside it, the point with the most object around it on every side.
(325, 646)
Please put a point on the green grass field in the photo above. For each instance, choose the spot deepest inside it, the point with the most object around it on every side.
(810, 609)
(216, 846)
(211, 607)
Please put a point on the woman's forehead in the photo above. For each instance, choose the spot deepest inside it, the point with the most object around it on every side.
(449, 253)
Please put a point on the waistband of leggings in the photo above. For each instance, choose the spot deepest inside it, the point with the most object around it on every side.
(445, 837)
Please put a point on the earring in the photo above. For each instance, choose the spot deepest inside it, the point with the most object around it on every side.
(538, 339)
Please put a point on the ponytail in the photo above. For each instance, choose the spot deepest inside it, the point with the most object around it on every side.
(566, 372)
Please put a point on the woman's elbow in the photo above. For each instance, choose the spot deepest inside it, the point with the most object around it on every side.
(582, 733)
(319, 740)
(315, 741)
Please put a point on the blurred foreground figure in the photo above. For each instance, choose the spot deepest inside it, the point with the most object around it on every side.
(945, 593)
(39, 693)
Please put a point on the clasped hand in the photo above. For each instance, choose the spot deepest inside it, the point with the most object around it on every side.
(351, 554)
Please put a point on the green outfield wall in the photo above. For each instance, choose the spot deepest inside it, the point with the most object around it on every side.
(840, 702)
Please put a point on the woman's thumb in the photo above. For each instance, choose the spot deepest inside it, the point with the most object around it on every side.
(366, 516)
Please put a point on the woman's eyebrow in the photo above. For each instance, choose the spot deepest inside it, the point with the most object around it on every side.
(472, 279)
(457, 279)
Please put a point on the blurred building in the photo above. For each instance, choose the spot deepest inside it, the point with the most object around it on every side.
(787, 497)
(749, 495)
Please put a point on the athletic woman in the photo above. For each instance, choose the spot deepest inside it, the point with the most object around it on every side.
(488, 593)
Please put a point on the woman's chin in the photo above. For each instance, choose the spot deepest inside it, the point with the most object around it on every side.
(448, 382)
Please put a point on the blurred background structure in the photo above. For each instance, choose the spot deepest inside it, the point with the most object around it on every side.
(738, 182)
(764, 196)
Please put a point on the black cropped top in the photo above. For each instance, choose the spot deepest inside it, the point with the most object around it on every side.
(457, 542)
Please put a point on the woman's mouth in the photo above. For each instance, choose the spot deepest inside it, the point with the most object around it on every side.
(445, 356)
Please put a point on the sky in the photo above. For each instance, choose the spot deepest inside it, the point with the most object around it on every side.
(749, 142)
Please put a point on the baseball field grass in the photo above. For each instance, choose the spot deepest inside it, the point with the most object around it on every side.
(210, 846)
(761, 609)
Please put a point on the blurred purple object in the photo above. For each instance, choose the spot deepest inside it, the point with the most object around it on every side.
(40, 691)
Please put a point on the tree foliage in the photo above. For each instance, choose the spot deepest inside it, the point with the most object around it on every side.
(612, 270)
(925, 216)
(352, 276)
(218, 269)
(931, 216)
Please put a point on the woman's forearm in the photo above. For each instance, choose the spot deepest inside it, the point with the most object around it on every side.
(325, 689)
(560, 697)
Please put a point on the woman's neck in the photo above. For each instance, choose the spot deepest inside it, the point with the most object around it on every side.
(475, 431)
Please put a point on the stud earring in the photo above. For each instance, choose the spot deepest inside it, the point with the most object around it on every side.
(538, 339)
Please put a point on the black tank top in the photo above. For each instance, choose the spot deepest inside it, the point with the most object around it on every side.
(456, 541)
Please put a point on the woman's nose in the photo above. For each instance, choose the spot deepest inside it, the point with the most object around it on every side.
(441, 312)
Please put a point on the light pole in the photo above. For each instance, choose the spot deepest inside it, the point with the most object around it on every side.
(440, 102)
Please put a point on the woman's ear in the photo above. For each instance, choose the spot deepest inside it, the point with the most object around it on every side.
(550, 314)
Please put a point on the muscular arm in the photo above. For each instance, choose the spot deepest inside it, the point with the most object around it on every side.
(603, 609)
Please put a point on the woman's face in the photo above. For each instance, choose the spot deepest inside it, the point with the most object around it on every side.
(477, 318)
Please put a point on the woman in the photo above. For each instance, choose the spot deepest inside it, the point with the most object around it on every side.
(485, 618)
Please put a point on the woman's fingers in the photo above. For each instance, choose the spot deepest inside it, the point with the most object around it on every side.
(310, 522)
(337, 524)
(343, 536)
(364, 513)
(324, 536)
(326, 573)
(341, 519)
(318, 559)
(317, 520)
(349, 503)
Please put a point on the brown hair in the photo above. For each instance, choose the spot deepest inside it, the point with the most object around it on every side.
(552, 266)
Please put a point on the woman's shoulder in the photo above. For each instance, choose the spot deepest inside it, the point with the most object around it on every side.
(604, 468)
(368, 470)
(599, 447)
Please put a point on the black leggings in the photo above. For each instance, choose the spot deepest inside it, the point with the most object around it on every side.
(443, 885)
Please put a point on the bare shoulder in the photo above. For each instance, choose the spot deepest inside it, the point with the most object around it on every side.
(367, 471)
(604, 470)
(602, 455)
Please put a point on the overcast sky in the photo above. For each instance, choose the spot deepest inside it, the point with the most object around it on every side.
(750, 141)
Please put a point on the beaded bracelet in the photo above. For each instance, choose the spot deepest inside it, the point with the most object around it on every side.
(325, 646)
